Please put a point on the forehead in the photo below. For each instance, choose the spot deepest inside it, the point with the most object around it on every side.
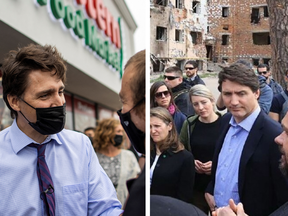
(170, 73)
(155, 120)
(162, 88)
(262, 69)
(189, 65)
(228, 85)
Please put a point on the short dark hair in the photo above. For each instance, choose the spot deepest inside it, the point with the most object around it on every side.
(174, 69)
(137, 61)
(263, 66)
(89, 128)
(240, 74)
(194, 63)
(245, 62)
(20, 63)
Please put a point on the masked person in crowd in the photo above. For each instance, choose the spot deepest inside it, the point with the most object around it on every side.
(132, 118)
(119, 164)
(161, 95)
(90, 132)
(45, 169)
(199, 134)
(172, 168)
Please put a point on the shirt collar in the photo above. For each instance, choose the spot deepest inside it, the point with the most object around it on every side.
(20, 140)
(193, 77)
(248, 122)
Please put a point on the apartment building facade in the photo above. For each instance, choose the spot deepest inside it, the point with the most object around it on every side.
(239, 30)
(177, 32)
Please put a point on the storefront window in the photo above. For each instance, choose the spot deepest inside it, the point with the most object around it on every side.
(104, 113)
(85, 115)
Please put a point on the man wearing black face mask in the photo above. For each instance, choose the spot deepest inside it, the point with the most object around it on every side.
(58, 169)
(132, 117)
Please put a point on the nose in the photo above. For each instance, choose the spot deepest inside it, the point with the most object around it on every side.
(200, 106)
(234, 99)
(279, 138)
(58, 100)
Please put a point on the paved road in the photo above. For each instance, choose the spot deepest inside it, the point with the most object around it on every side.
(212, 84)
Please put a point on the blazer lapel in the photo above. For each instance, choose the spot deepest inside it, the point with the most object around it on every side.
(253, 140)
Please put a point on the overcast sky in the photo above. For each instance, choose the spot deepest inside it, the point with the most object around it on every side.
(139, 11)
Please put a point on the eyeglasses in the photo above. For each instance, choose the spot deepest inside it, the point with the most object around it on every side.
(264, 72)
(160, 94)
(170, 77)
(189, 68)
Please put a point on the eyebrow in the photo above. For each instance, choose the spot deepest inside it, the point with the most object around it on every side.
(49, 91)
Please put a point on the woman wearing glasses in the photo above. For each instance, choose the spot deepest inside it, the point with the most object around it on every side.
(172, 168)
(199, 134)
(161, 95)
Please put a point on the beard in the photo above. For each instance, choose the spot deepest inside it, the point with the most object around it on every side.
(283, 166)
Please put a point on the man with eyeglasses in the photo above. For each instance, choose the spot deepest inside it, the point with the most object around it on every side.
(191, 69)
(264, 70)
(173, 77)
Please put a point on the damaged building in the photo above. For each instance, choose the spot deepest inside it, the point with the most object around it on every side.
(238, 30)
(177, 33)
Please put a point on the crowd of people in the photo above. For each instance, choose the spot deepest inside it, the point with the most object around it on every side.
(235, 156)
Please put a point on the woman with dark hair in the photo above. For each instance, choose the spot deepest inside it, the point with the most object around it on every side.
(161, 95)
(119, 164)
(172, 168)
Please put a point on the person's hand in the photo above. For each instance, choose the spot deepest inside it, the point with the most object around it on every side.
(231, 210)
(210, 201)
(198, 166)
(206, 167)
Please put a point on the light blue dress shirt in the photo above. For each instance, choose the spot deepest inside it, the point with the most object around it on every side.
(81, 186)
(226, 181)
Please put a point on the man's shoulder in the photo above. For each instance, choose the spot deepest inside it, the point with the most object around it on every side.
(72, 137)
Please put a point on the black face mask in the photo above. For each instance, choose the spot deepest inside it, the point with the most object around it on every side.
(136, 136)
(50, 120)
(118, 139)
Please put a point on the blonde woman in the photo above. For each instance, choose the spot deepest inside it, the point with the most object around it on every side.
(199, 134)
(119, 164)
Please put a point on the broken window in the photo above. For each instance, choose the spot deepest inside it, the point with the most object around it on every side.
(255, 16)
(225, 11)
(178, 35)
(196, 7)
(225, 27)
(225, 39)
(161, 2)
(255, 61)
(225, 60)
(208, 29)
(261, 38)
(266, 12)
(179, 4)
(196, 37)
(266, 60)
(161, 33)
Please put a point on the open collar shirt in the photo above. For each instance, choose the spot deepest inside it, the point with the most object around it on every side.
(81, 186)
(226, 182)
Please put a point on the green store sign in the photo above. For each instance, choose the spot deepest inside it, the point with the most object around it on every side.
(109, 50)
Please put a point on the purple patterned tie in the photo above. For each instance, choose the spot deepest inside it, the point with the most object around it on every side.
(45, 180)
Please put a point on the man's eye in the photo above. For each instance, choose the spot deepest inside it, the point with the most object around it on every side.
(43, 96)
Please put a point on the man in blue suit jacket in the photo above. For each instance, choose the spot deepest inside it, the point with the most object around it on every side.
(245, 164)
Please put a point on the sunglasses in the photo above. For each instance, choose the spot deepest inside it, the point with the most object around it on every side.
(264, 72)
(160, 94)
(170, 77)
(189, 68)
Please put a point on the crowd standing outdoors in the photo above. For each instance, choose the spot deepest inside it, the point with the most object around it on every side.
(236, 156)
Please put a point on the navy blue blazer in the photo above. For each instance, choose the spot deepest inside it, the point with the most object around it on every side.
(262, 187)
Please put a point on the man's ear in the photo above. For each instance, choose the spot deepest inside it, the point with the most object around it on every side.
(13, 102)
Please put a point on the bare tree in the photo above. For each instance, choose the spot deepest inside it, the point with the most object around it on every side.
(278, 13)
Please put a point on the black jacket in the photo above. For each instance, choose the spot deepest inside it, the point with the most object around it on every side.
(181, 98)
(173, 175)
